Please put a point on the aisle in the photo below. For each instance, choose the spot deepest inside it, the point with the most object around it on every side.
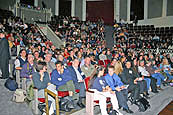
(108, 36)
(7, 107)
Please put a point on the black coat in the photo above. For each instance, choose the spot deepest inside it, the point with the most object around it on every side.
(127, 76)
(4, 57)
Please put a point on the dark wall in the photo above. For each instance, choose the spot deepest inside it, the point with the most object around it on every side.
(64, 7)
(4, 4)
(155, 8)
(137, 9)
(170, 8)
(101, 9)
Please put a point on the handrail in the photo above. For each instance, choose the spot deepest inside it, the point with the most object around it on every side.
(41, 31)
(46, 92)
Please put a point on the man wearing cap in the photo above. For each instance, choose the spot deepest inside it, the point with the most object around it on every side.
(4, 55)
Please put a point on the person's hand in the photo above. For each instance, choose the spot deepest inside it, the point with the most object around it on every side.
(112, 92)
(48, 83)
(118, 89)
(81, 81)
(122, 87)
(30, 76)
(109, 89)
(62, 70)
(143, 77)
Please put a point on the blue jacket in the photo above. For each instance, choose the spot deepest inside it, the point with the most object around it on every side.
(99, 83)
(113, 81)
(74, 75)
(60, 79)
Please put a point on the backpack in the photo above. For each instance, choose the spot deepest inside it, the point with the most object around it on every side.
(11, 84)
(30, 92)
(19, 96)
(143, 104)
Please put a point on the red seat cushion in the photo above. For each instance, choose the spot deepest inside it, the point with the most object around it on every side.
(100, 62)
(41, 100)
(65, 93)
(87, 79)
(107, 100)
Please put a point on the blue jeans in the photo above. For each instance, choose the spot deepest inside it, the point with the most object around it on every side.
(148, 80)
(159, 78)
(170, 77)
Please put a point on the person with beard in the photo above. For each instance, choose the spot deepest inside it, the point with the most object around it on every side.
(4, 55)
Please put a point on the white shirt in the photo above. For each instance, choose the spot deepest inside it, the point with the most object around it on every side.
(79, 77)
(17, 62)
(143, 71)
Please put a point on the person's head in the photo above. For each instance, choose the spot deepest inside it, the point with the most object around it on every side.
(100, 71)
(30, 58)
(104, 52)
(111, 70)
(165, 61)
(149, 63)
(128, 64)
(60, 58)
(58, 65)
(141, 63)
(71, 53)
(113, 62)
(23, 53)
(2, 35)
(87, 60)
(135, 62)
(75, 63)
(41, 66)
(36, 54)
(48, 57)
(118, 68)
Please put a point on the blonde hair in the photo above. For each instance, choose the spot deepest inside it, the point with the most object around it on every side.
(165, 61)
(118, 68)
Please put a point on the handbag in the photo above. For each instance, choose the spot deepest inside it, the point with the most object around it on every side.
(143, 104)
(19, 96)
(11, 84)
(65, 105)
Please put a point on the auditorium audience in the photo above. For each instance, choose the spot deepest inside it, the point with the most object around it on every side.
(85, 41)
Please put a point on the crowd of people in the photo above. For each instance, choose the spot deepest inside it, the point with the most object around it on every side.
(66, 68)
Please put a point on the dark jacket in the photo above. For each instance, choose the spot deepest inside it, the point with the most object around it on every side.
(127, 76)
(74, 75)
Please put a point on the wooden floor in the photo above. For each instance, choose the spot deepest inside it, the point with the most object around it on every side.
(168, 110)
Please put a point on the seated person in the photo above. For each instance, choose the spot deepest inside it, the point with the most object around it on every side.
(50, 64)
(102, 91)
(28, 70)
(142, 83)
(150, 81)
(103, 56)
(41, 81)
(128, 78)
(166, 67)
(61, 78)
(78, 79)
(155, 74)
(116, 85)
(88, 69)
